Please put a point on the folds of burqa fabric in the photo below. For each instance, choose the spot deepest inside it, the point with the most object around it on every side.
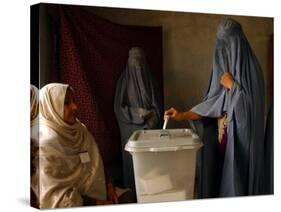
(136, 105)
(268, 153)
(244, 104)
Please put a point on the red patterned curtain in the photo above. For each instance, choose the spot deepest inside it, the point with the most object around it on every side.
(90, 54)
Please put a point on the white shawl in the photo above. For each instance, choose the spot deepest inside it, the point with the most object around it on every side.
(63, 177)
(34, 133)
(34, 104)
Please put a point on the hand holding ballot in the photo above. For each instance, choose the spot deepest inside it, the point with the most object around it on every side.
(181, 116)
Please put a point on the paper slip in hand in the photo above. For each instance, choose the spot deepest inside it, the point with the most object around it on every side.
(84, 157)
(166, 119)
(120, 191)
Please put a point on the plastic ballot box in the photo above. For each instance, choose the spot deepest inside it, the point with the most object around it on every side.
(164, 164)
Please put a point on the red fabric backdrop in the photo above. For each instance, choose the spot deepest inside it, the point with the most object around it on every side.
(90, 55)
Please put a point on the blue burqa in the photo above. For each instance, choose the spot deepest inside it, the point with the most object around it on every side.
(242, 169)
(136, 105)
(269, 153)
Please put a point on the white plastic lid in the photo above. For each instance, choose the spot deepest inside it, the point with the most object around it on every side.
(163, 140)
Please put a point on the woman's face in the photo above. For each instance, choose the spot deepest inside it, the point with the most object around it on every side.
(70, 108)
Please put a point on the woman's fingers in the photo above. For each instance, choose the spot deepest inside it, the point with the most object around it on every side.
(172, 113)
(168, 112)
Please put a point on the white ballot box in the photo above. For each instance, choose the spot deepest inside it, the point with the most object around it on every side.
(164, 163)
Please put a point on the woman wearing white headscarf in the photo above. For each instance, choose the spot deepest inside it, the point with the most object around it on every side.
(34, 111)
(70, 165)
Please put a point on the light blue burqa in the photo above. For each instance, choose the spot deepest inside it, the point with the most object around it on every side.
(243, 163)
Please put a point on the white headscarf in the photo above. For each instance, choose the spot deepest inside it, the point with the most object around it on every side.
(64, 178)
(34, 104)
(34, 133)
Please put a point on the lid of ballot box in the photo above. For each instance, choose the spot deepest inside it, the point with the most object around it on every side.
(163, 140)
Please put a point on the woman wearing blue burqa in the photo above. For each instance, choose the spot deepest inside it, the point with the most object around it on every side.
(231, 119)
(136, 105)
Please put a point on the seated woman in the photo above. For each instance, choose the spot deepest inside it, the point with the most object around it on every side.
(70, 171)
(34, 111)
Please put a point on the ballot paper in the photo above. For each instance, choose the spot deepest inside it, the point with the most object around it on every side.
(156, 184)
(120, 191)
(166, 119)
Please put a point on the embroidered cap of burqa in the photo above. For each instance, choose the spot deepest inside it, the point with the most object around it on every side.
(244, 104)
(136, 105)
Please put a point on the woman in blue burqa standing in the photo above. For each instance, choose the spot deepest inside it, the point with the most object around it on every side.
(136, 105)
(232, 116)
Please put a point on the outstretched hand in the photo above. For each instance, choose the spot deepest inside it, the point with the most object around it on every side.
(174, 114)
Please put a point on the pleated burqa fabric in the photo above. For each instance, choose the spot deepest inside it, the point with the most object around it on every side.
(244, 104)
(269, 153)
(136, 105)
